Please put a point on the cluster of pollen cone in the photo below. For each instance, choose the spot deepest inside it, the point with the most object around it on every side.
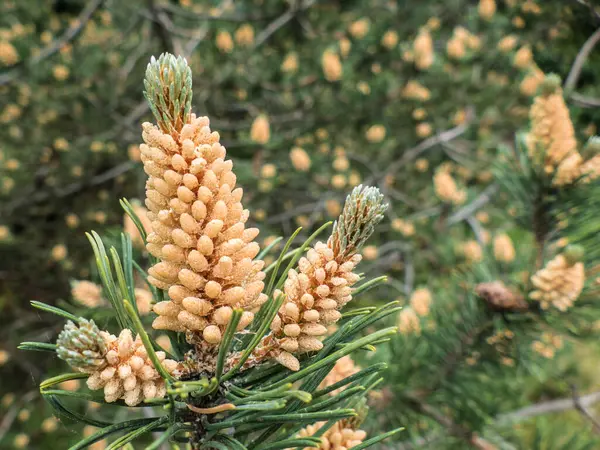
(314, 293)
(341, 436)
(322, 282)
(552, 136)
(118, 365)
(560, 282)
(129, 373)
(344, 434)
(198, 233)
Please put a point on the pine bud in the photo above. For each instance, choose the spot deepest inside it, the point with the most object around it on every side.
(345, 433)
(455, 48)
(574, 254)
(345, 45)
(591, 148)
(168, 85)
(82, 347)
(363, 210)
(590, 169)
(550, 85)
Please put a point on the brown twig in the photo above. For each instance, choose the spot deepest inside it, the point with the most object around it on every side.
(10, 416)
(444, 136)
(213, 410)
(191, 15)
(471, 208)
(457, 430)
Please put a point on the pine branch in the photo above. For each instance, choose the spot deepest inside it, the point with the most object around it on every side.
(451, 427)
(583, 410)
(549, 407)
(282, 20)
(580, 60)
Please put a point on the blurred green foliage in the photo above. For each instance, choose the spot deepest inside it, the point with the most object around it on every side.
(310, 98)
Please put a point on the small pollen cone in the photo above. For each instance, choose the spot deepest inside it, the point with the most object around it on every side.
(342, 436)
(504, 250)
(446, 188)
(423, 49)
(82, 346)
(87, 294)
(560, 282)
(332, 66)
(128, 373)
(260, 131)
(487, 9)
(409, 322)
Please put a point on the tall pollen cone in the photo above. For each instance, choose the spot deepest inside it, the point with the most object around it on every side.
(322, 283)
(206, 254)
(561, 281)
(552, 137)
